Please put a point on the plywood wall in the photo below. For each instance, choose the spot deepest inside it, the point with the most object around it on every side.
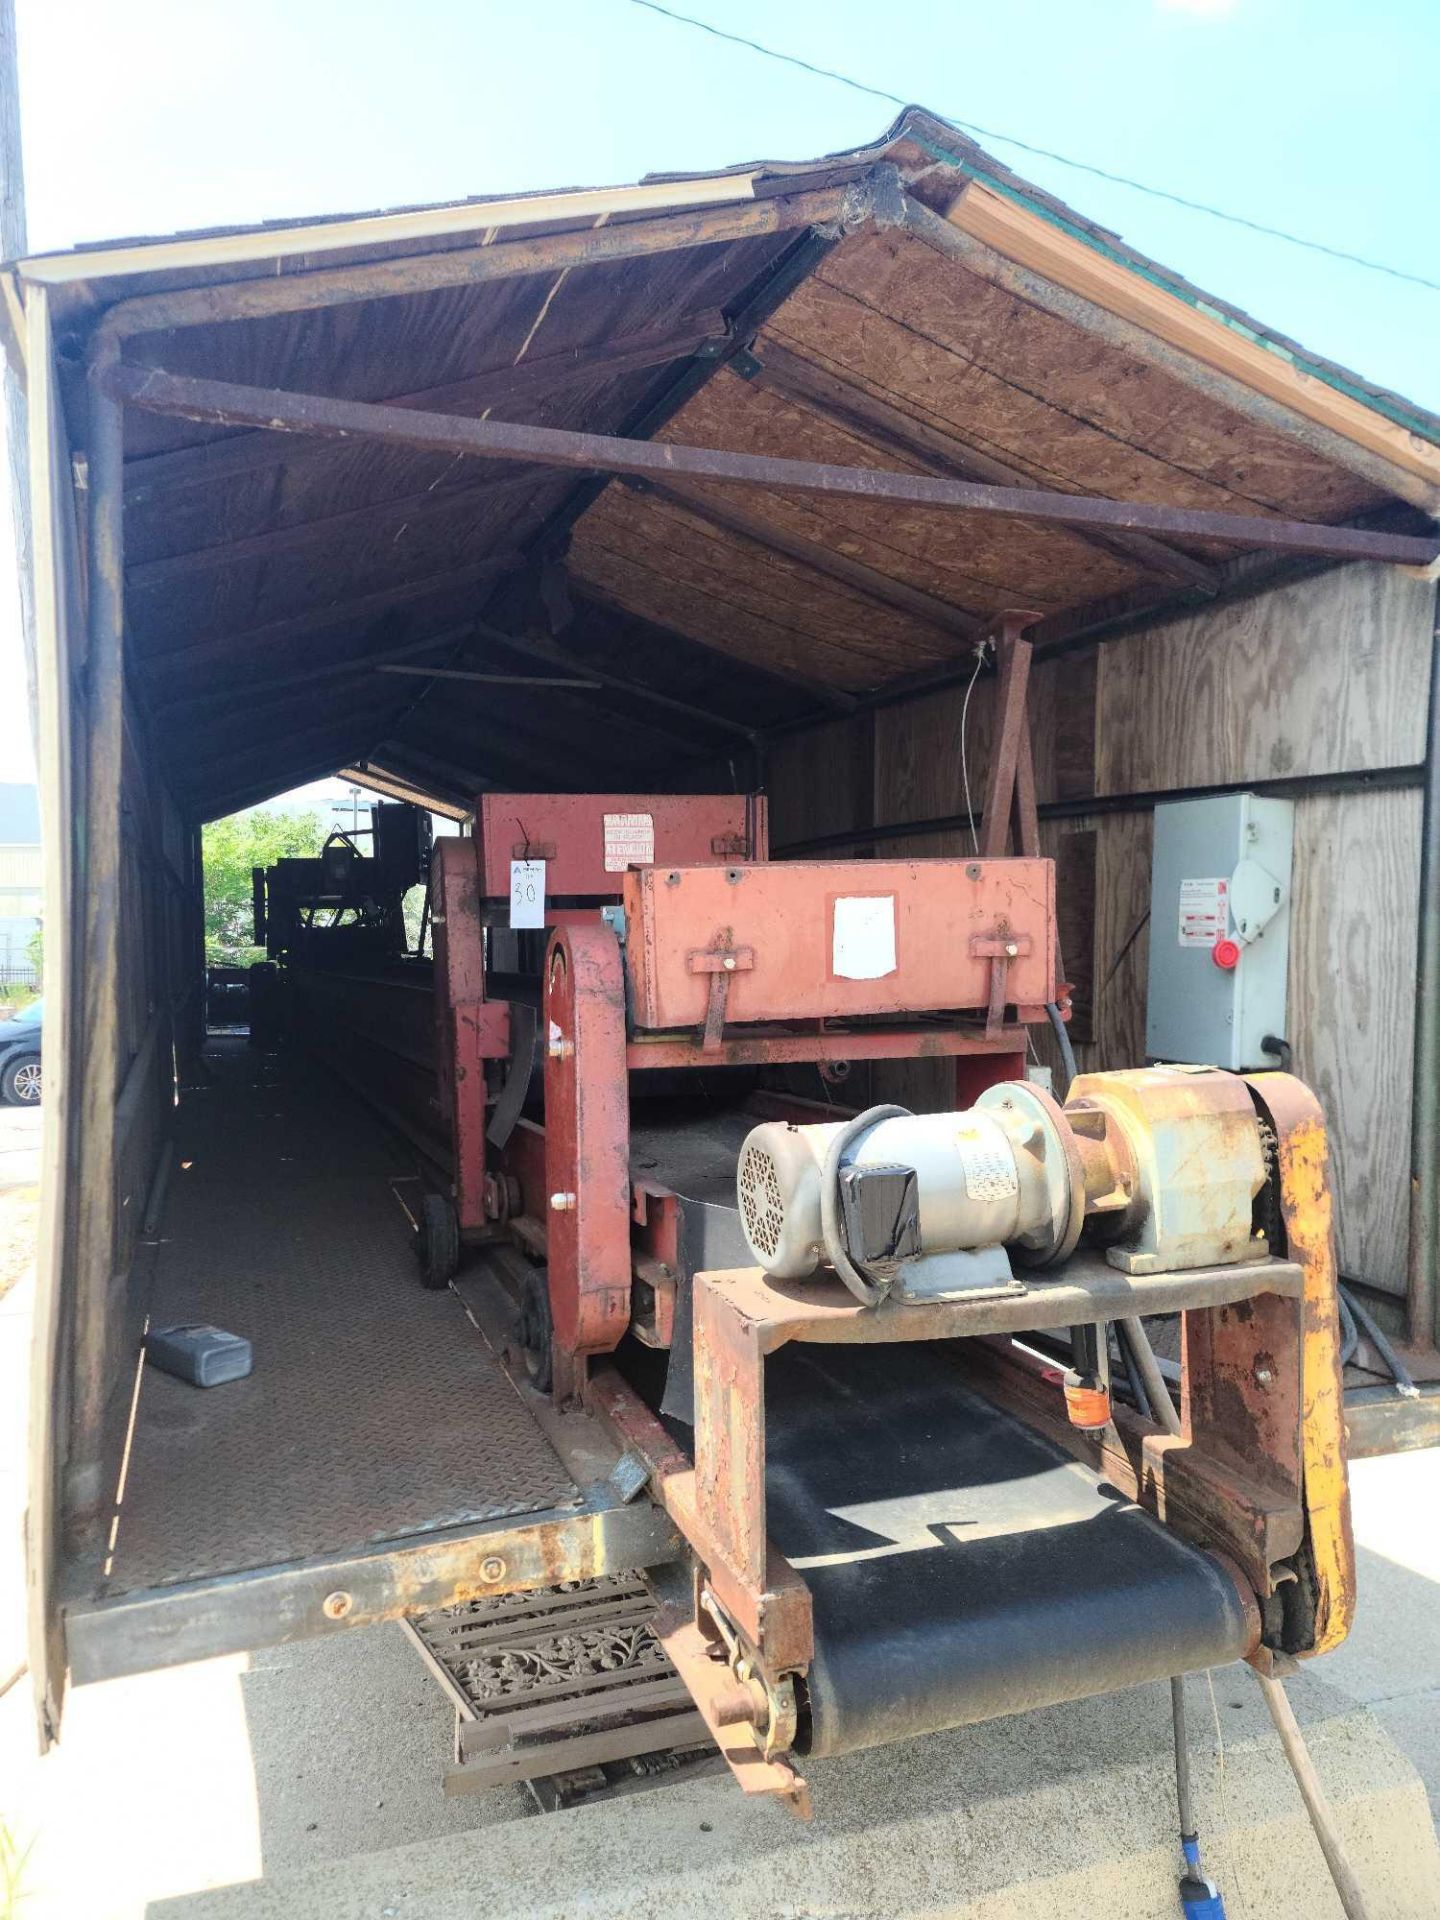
(1352, 1009)
(1328, 675)
(1325, 676)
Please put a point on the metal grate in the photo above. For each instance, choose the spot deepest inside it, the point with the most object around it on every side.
(373, 1413)
(762, 1210)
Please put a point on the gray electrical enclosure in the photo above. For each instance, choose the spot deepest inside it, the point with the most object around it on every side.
(1219, 930)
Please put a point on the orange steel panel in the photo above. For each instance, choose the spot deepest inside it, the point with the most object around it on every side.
(912, 927)
(585, 856)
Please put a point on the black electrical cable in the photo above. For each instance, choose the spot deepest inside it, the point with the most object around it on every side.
(1349, 1332)
(1373, 1332)
(1132, 1376)
(1062, 1040)
(1044, 153)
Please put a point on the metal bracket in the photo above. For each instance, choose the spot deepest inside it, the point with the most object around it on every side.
(999, 948)
(719, 962)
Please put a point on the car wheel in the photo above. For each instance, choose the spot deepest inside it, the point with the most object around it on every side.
(20, 1082)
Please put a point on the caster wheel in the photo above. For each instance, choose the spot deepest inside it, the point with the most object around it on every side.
(437, 1243)
(533, 1330)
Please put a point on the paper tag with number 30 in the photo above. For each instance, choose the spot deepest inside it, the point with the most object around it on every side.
(527, 893)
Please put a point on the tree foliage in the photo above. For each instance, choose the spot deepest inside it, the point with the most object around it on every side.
(232, 848)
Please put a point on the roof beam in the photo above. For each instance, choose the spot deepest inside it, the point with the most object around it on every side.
(941, 451)
(865, 580)
(205, 760)
(300, 626)
(352, 667)
(382, 518)
(624, 721)
(492, 679)
(223, 403)
(205, 806)
(548, 373)
(306, 292)
(535, 748)
(398, 786)
(836, 699)
(498, 769)
(192, 734)
(1045, 290)
(554, 654)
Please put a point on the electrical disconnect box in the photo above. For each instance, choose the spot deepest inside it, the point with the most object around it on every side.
(1219, 930)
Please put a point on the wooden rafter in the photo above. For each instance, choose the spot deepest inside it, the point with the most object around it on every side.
(363, 608)
(378, 519)
(549, 373)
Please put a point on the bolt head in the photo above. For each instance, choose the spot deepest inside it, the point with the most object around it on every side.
(492, 1568)
(335, 1606)
(729, 963)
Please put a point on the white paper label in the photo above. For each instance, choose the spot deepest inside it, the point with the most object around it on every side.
(863, 942)
(987, 1166)
(1204, 912)
(629, 841)
(527, 893)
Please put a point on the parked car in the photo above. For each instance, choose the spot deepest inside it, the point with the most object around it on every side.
(20, 1057)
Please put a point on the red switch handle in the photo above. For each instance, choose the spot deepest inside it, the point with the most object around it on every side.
(1226, 954)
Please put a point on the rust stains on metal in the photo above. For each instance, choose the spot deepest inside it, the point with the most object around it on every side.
(227, 404)
(1306, 1206)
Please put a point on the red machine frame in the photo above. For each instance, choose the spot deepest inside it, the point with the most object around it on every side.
(731, 961)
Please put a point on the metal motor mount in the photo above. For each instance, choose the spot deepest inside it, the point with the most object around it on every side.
(1162, 1163)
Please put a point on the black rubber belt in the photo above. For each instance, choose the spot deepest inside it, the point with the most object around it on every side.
(962, 1567)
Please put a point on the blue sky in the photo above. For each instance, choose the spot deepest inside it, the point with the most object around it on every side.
(1313, 115)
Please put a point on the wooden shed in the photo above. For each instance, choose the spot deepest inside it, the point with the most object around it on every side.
(758, 457)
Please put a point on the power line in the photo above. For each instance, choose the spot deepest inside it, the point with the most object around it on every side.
(1044, 153)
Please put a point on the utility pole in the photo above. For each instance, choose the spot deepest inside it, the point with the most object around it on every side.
(12, 247)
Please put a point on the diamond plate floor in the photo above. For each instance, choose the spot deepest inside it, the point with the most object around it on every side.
(373, 1412)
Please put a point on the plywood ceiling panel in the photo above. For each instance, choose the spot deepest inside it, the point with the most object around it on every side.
(974, 561)
(1037, 391)
(710, 586)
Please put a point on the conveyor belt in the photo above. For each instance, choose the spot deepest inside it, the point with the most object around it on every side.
(962, 1567)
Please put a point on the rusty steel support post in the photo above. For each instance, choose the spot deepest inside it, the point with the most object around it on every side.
(1011, 780)
(99, 884)
(228, 404)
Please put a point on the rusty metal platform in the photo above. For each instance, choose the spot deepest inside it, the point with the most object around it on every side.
(374, 1412)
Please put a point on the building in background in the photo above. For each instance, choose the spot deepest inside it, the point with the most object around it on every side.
(21, 886)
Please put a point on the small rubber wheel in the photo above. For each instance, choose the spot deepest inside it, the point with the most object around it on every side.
(533, 1330)
(437, 1243)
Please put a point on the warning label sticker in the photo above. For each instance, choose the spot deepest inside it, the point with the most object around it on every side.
(1204, 912)
(629, 841)
(988, 1166)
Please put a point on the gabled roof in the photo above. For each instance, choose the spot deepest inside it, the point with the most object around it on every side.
(911, 306)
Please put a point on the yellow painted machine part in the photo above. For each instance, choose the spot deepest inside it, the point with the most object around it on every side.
(1307, 1207)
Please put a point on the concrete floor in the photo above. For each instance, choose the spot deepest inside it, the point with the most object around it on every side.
(305, 1781)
